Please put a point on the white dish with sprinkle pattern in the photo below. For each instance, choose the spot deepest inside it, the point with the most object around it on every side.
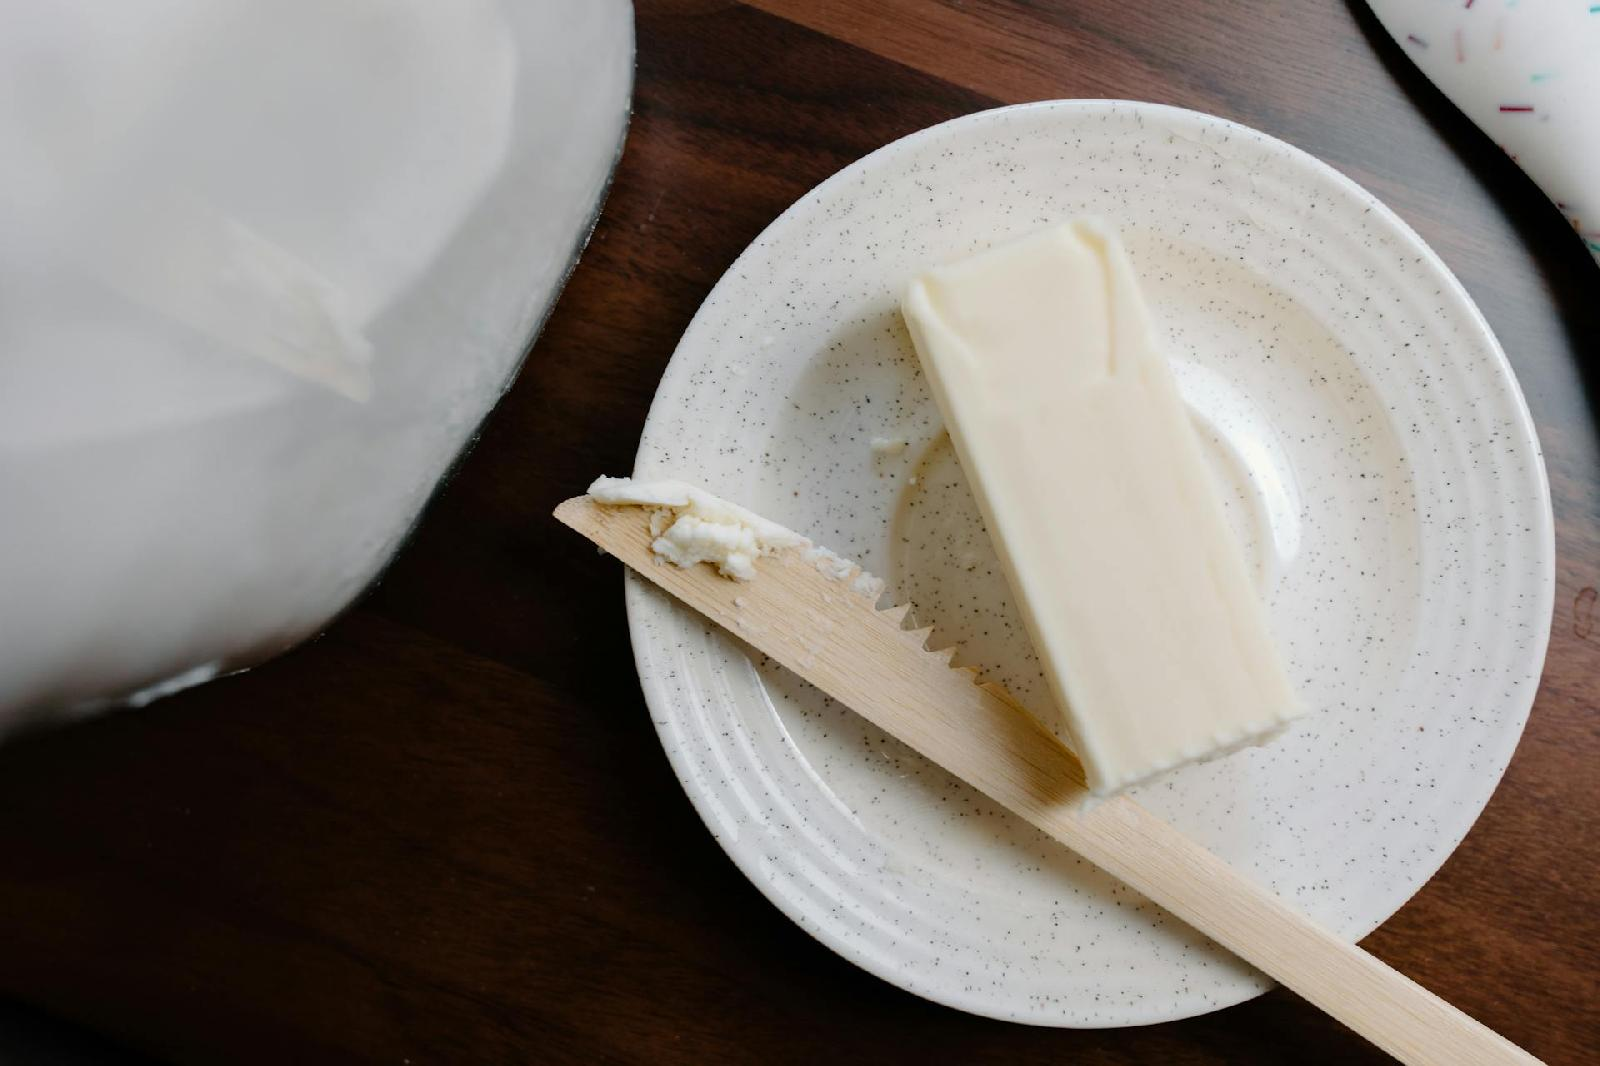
(1381, 467)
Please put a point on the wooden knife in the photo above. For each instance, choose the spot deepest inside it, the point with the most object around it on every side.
(830, 632)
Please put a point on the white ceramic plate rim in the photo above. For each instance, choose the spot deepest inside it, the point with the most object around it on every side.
(639, 595)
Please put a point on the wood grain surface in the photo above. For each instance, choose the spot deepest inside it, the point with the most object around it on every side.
(445, 832)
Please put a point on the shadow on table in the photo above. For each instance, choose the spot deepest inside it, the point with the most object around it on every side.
(37, 1039)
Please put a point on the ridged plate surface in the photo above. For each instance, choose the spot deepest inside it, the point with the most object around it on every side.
(1379, 463)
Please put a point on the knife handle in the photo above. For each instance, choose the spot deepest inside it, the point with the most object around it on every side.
(1341, 979)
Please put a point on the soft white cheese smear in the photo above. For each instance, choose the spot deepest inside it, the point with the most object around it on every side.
(1091, 481)
(691, 526)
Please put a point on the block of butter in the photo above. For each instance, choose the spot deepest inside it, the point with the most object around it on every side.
(1108, 524)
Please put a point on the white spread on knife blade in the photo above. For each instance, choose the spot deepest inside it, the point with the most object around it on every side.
(691, 526)
(1090, 478)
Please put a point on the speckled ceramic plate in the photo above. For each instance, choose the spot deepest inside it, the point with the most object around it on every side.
(1380, 464)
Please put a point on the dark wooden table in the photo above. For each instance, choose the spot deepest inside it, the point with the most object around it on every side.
(445, 830)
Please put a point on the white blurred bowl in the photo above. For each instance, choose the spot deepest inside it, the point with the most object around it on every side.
(263, 271)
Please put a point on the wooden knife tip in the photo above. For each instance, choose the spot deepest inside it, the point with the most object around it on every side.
(574, 512)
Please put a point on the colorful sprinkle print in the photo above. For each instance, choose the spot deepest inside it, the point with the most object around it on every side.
(1527, 75)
